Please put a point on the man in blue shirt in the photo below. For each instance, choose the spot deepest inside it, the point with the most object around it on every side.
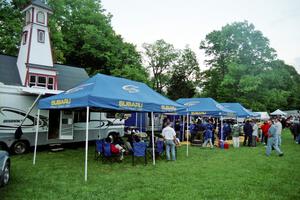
(248, 133)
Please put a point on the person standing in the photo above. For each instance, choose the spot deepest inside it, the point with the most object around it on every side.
(169, 135)
(236, 135)
(265, 128)
(248, 133)
(272, 137)
(254, 133)
(278, 126)
(177, 128)
(226, 131)
(208, 134)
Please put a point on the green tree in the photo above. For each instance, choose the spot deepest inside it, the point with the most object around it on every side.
(84, 36)
(184, 76)
(10, 28)
(243, 68)
(239, 43)
(160, 58)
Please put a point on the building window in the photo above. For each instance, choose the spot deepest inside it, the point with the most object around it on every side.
(41, 36)
(40, 17)
(28, 17)
(32, 81)
(24, 39)
(42, 81)
(50, 84)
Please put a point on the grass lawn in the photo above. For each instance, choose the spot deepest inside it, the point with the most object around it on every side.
(244, 173)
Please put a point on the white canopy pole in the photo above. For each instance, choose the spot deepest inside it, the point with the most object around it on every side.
(36, 135)
(141, 122)
(152, 124)
(136, 119)
(221, 129)
(174, 121)
(100, 125)
(183, 127)
(187, 134)
(86, 141)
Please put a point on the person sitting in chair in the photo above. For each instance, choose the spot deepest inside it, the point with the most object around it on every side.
(115, 148)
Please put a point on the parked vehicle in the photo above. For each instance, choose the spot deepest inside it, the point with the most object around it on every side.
(5, 168)
(55, 126)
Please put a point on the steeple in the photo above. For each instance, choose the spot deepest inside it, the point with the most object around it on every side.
(41, 4)
(35, 61)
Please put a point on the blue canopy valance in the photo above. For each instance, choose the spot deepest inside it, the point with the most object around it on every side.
(108, 92)
(205, 107)
(239, 109)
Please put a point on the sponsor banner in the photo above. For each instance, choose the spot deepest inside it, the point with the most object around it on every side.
(60, 102)
(198, 113)
(130, 104)
(168, 108)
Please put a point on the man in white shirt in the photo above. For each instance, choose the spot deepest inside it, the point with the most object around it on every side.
(278, 126)
(169, 135)
(254, 133)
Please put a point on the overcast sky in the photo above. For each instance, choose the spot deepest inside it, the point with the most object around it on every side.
(186, 22)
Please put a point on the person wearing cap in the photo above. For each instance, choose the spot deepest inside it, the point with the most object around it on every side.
(272, 141)
(169, 135)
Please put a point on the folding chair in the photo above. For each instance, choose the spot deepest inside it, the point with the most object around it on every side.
(99, 149)
(107, 153)
(139, 150)
(159, 150)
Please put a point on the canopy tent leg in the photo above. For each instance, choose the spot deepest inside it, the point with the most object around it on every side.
(183, 128)
(136, 119)
(141, 122)
(174, 121)
(100, 126)
(86, 141)
(221, 129)
(153, 150)
(187, 134)
(36, 135)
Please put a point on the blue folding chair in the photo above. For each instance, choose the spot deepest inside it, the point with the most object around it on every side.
(159, 150)
(99, 149)
(139, 150)
(108, 155)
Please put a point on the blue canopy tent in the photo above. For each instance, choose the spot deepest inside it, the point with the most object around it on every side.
(109, 93)
(204, 107)
(239, 109)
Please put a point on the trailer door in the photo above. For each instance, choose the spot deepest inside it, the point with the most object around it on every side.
(66, 125)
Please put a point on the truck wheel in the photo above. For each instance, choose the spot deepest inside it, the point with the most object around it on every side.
(6, 175)
(19, 147)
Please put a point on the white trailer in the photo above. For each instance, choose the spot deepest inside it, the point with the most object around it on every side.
(55, 126)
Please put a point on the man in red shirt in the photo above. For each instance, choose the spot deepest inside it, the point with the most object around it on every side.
(265, 128)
